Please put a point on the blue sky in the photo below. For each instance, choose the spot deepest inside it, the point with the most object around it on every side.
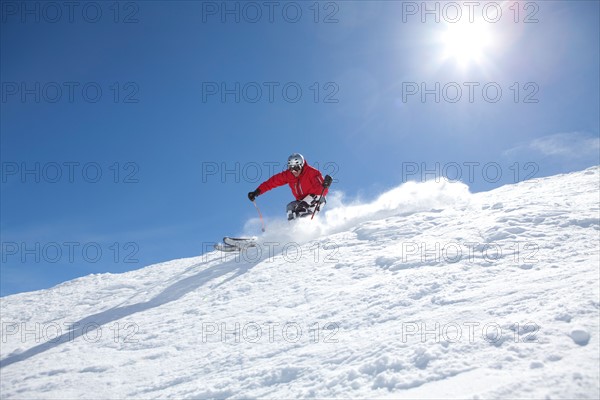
(131, 132)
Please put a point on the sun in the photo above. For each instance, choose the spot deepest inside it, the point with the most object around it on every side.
(466, 42)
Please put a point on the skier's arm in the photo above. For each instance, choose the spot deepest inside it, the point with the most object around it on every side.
(276, 180)
(319, 183)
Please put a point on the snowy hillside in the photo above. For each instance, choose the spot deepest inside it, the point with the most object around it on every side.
(427, 292)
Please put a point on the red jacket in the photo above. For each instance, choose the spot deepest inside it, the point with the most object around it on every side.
(310, 181)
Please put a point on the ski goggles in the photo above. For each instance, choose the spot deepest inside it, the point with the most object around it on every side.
(294, 168)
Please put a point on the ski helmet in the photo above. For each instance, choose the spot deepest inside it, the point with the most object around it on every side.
(296, 161)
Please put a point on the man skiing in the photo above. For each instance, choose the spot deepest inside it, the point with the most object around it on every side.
(307, 184)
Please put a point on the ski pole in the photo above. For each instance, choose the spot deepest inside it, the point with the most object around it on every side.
(262, 221)
(318, 205)
(326, 184)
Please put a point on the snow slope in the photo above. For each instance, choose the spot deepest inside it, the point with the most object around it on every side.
(427, 292)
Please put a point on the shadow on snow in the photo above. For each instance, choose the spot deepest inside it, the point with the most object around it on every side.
(171, 293)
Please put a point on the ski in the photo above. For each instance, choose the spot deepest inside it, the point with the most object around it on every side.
(232, 244)
(240, 241)
(226, 248)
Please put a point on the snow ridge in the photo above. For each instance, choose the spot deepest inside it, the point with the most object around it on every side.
(428, 291)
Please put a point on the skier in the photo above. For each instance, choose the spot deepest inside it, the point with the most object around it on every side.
(307, 184)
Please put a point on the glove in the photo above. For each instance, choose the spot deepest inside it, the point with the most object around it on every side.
(252, 195)
(327, 181)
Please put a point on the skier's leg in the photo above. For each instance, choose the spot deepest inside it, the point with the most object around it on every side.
(311, 202)
(297, 209)
(302, 210)
(291, 209)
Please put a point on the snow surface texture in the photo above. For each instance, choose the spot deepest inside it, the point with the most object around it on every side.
(428, 292)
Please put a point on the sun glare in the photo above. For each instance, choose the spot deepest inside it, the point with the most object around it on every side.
(466, 43)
